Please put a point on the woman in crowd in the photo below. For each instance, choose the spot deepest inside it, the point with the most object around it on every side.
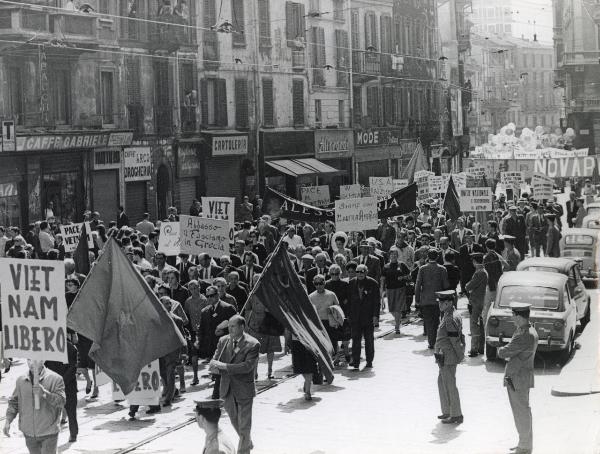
(394, 277)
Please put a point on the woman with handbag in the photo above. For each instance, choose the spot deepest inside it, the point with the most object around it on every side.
(394, 278)
(449, 350)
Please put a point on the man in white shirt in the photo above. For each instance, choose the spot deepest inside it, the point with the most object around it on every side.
(291, 238)
(145, 226)
(3, 240)
(46, 238)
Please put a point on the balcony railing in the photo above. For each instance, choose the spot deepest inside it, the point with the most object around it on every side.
(188, 118)
(298, 60)
(163, 120)
(74, 26)
(16, 20)
(367, 64)
(169, 32)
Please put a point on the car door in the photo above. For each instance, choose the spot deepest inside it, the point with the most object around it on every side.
(577, 291)
(570, 312)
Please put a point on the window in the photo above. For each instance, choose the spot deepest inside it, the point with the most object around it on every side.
(341, 113)
(239, 37)
(318, 55)
(354, 31)
(318, 113)
(268, 104)
(15, 93)
(357, 104)
(373, 105)
(60, 94)
(538, 297)
(338, 10)
(264, 23)
(295, 24)
(103, 6)
(298, 102)
(107, 97)
(386, 34)
(314, 6)
(388, 105)
(342, 57)
(213, 99)
(241, 103)
(189, 96)
(371, 31)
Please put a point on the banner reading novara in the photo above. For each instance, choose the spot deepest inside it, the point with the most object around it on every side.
(34, 310)
(204, 235)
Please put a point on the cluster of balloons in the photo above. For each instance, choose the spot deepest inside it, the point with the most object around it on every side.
(531, 140)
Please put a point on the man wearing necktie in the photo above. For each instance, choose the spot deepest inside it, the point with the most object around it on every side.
(319, 268)
(325, 239)
(465, 261)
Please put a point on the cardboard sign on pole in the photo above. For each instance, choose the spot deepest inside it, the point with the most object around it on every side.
(317, 196)
(200, 235)
(381, 187)
(220, 208)
(542, 186)
(71, 233)
(475, 199)
(350, 191)
(34, 310)
(168, 240)
(355, 215)
(399, 183)
(147, 391)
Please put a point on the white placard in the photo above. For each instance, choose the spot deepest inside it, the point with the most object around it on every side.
(355, 215)
(437, 184)
(475, 172)
(34, 310)
(399, 183)
(138, 163)
(147, 390)
(422, 181)
(168, 239)
(350, 191)
(71, 233)
(542, 186)
(422, 173)
(220, 208)
(459, 179)
(381, 187)
(200, 235)
(316, 195)
(475, 199)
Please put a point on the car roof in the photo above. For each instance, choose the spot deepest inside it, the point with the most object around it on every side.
(582, 231)
(533, 279)
(593, 205)
(560, 263)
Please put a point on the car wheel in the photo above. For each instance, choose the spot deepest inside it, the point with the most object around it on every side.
(490, 352)
(586, 318)
(566, 353)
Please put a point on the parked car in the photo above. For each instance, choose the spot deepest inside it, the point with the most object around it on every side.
(553, 311)
(583, 244)
(593, 209)
(570, 268)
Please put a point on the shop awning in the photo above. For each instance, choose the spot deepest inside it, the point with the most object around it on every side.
(307, 166)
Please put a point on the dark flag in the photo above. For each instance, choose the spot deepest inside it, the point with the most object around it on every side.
(451, 201)
(279, 289)
(278, 205)
(123, 317)
(400, 202)
(81, 256)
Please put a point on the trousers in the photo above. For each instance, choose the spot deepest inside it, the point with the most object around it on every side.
(71, 409)
(240, 414)
(449, 398)
(477, 328)
(519, 404)
(358, 332)
(167, 365)
(490, 297)
(42, 445)
(431, 320)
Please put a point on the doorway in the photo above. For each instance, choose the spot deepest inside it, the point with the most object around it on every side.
(162, 191)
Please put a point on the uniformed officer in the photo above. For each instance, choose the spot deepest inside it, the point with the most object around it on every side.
(518, 376)
(208, 413)
(449, 350)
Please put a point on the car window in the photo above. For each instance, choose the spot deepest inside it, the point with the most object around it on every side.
(541, 268)
(593, 224)
(593, 210)
(538, 297)
(579, 240)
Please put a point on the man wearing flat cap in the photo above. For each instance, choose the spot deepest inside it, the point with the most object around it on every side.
(518, 375)
(510, 253)
(552, 237)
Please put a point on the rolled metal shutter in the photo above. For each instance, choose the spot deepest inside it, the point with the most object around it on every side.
(136, 203)
(65, 162)
(223, 177)
(187, 194)
(372, 169)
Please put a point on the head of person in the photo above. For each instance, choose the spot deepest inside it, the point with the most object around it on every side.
(193, 272)
(329, 227)
(319, 283)
(207, 418)
(340, 243)
(490, 244)
(160, 259)
(492, 226)
(225, 261)
(307, 261)
(174, 278)
(164, 275)
(449, 257)
(299, 251)
(393, 255)
(444, 242)
(364, 248)
(255, 278)
(162, 290)
(477, 259)
(410, 222)
(138, 254)
(361, 272)
(512, 210)
(44, 226)
(351, 269)
(411, 236)
(233, 278)
(321, 260)
(469, 238)
(291, 231)
(69, 266)
(572, 195)
(335, 272)
(72, 285)
(520, 314)
(236, 324)
(194, 288)
(460, 223)
(212, 294)
(437, 234)
(445, 302)
(221, 285)
(35, 366)
(340, 260)
(184, 257)
(204, 260)
(432, 255)
(249, 258)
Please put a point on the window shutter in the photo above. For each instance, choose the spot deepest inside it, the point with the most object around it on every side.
(321, 48)
(221, 101)
(357, 107)
(268, 104)
(210, 13)
(388, 105)
(301, 30)
(342, 57)
(318, 55)
(239, 36)
(264, 23)
(132, 68)
(289, 22)
(204, 101)
(241, 103)
(373, 105)
(298, 102)
(354, 31)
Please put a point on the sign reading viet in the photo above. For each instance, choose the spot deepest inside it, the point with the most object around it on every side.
(350, 191)
(168, 239)
(542, 186)
(220, 208)
(34, 310)
(355, 215)
(147, 390)
(316, 195)
(475, 199)
(381, 187)
(71, 234)
(204, 235)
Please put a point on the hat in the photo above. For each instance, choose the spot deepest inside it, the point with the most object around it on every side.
(209, 403)
(520, 308)
(364, 243)
(425, 205)
(307, 257)
(512, 207)
(445, 295)
(426, 225)
(550, 216)
(469, 233)
(477, 256)
(507, 237)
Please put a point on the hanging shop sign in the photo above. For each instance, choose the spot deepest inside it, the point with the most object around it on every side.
(229, 145)
(138, 164)
(336, 142)
(188, 164)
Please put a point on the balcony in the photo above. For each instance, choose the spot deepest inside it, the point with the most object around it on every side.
(163, 120)
(75, 27)
(188, 119)
(22, 22)
(585, 104)
(170, 34)
(298, 60)
(581, 57)
(366, 65)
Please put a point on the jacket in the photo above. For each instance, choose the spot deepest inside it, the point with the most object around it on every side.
(210, 318)
(553, 244)
(46, 420)
(238, 377)
(477, 286)
(363, 305)
(432, 277)
(520, 353)
(464, 261)
(449, 340)
(455, 241)
(335, 316)
(373, 266)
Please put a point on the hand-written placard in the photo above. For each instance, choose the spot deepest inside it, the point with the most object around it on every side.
(356, 214)
(475, 199)
(71, 233)
(168, 240)
(34, 310)
(204, 235)
(350, 191)
(147, 390)
(475, 172)
(437, 184)
(542, 186)
(399, 184)
(381, 187)
(316, 195)
(422, 180)
(220, 208)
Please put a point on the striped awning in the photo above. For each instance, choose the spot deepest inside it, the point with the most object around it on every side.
(306, 166)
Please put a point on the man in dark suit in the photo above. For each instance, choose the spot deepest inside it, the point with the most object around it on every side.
(319, 268)
(183, 267)
(571, 206)
(235, 360)
(458, 235)
(364, 298)
(372, 263)
(211, 317)
(122, 219)
(206, 270)
(444, 249)
(465, 261)
(250, 268)
(476, 288)
(326, 240)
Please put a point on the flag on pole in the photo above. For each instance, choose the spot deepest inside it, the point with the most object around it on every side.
(451, 201)
(400, 202)
(118, 311)
(417, 162)
(81, 256)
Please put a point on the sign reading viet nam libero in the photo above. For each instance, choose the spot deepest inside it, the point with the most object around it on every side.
(138, 163)
(168, 238)
(350, 191)
(71, 234)
(34, 310)
(229, 145)
(147, 390)
(542, 186)
(355, 215)
(316, 195)
(204, 235)
(475, 199)
(222, 208)
(381, 187)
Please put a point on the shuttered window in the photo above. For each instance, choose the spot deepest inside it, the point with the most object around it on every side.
(264, 23)
(295, 23)
(373, 105)
(268, 104)
(388, 106)
(357, 104)
(371, 31)
(241, 103)
(298, 102)
(210, 42)
(239, 36)
(354, 31)
(318, 55)
(386, 34)
(213, 102)
(342, 59)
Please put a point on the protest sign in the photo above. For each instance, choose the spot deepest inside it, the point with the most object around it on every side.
(542, 186)
(459, 179)
(220, 208)
(512, 178)
(316, 195)
(399, 183)
(437, 184)
(204, 235)
(350, 191)
(147, 390)
(477, 172)
(353, 215)
(168, 240)
(475, 199)
(422, 180)
(381, 187)
(34, 310)
(71, 233)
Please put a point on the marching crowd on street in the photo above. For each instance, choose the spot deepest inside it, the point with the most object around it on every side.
(419, 262)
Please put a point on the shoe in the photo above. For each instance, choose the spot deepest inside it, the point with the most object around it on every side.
(182, 390)
(430, 347)
(443, 416)
(72, 438)
(176, 393)
(95, 393)
(473, 354)
(369, 366)
(397, 331)
(353, 366)
(88, 389)
(453, 420)
(153, 410)
(195, 382)
(307, 396)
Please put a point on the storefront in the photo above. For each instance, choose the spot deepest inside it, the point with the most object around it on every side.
(381, 152)
(335, 148)
(189, 171)
(106, 182)
(137, 172)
